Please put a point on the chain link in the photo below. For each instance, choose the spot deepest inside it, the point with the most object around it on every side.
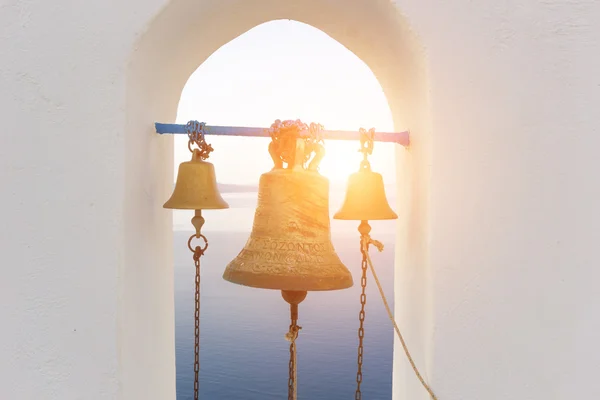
(198, 252)
(361, 329)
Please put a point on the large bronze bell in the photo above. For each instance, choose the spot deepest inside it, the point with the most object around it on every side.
(365, 194)
(196, 186)
(290, 246)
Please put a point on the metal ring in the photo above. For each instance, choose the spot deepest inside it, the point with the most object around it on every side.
(200, 237)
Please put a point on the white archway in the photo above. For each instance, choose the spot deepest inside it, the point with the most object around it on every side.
(181, 37)
(497, 191)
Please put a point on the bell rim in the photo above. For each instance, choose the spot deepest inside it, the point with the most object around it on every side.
(266, 281)
(342, 217)
(225, 207)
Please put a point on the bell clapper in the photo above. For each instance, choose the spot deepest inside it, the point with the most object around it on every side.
(198, 222)
(365, 239)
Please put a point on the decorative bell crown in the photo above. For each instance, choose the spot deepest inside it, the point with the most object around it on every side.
(290, 246)
(196, 186)
(365, 194)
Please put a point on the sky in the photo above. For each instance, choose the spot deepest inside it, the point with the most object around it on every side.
(285, 70)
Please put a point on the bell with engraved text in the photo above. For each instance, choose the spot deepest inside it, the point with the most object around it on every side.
(290, 247)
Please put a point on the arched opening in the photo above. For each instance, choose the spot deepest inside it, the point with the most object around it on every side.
(173, 46)
(282, 69)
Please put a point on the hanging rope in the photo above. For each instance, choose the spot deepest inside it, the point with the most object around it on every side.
(365, 249)
(291, 336)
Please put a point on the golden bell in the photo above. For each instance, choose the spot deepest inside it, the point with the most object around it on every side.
(365, 198)
(196, 187)
(290, 246)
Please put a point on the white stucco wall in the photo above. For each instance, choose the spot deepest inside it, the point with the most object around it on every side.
(497, 262)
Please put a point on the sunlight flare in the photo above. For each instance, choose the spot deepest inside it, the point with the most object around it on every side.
(312, 78)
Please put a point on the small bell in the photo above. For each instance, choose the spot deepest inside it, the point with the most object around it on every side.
(196, 189)
(365, 198)
(196, 186)
(365, 194)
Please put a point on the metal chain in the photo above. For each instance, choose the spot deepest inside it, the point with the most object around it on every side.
(198, 252)
(196, 131)
(361, 329)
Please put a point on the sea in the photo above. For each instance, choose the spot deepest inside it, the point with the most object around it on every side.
(243, 351)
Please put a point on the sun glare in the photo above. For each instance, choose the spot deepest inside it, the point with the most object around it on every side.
(342, 159)
(285, 70)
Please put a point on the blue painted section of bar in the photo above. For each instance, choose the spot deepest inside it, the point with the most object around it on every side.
(402, 138)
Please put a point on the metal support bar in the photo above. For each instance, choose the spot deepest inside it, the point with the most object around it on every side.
(390, 137)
